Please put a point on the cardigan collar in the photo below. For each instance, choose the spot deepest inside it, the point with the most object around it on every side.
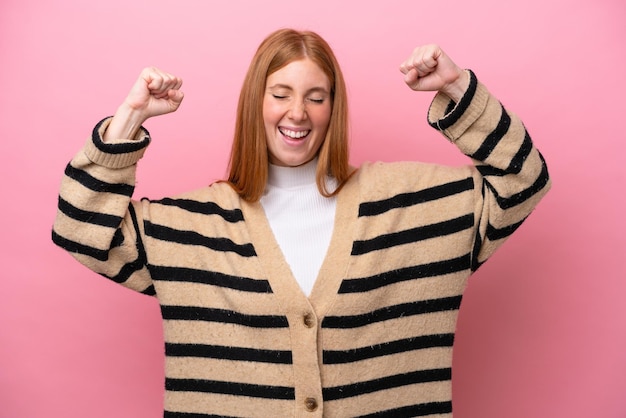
(334, 267)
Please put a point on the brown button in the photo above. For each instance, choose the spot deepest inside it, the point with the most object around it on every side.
(310, 404)
(308, 320)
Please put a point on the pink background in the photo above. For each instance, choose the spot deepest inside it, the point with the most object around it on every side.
(542, 330)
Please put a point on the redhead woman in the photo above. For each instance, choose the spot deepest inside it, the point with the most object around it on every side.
(301, 286)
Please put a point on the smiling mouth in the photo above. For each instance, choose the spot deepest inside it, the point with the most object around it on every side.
(294, 134)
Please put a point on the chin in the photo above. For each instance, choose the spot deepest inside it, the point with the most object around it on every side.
(290, 161)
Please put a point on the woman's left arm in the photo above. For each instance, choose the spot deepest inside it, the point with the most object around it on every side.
(511, 175)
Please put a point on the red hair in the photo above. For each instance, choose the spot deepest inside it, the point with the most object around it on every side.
(248, 167)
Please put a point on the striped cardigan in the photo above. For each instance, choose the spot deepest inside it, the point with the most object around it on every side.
(375, 337)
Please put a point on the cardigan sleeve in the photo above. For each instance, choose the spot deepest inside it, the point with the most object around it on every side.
(97, 222)
(511, 174)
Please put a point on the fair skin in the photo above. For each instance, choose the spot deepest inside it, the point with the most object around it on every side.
(296, 112)
(157, 92)
(428, 68)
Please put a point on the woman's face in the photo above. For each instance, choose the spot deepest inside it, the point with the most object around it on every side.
(296, 112)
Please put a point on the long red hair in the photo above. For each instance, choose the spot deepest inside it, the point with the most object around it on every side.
(248, 167)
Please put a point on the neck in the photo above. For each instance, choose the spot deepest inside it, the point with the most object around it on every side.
(292, 177)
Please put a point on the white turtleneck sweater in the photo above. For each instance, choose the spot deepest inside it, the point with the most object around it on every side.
(301, 219)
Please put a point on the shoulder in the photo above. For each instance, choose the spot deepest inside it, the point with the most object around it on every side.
(216, 199)
(385, 186)
(220, 193)
(405, 176)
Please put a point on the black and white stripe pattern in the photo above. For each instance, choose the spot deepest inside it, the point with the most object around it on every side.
(376, 339)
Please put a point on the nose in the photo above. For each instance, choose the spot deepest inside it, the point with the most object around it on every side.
(297, 112)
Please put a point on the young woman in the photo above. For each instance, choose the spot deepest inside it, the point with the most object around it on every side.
(302, 286)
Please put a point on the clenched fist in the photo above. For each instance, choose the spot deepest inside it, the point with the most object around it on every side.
(428, 68)
(155, 93)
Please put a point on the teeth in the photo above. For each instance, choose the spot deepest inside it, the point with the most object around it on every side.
(294, 134)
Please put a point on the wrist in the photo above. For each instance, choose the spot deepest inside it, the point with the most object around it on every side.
(125, 123)
(458, 87)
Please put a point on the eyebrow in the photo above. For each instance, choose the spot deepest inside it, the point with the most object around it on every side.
(287, 87)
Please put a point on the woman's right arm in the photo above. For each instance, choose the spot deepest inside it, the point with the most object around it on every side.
(97, 222)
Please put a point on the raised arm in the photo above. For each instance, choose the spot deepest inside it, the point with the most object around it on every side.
(511, 175)
(97, 222)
